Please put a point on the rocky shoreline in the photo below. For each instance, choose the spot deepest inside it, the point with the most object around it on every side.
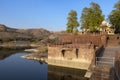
(35, 56)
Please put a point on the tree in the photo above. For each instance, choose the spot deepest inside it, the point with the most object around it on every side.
(72, 23)
(114, 17)
(91, 18)
(85, 18)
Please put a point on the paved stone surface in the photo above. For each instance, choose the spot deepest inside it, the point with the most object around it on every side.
(105, 64)
(108, 56)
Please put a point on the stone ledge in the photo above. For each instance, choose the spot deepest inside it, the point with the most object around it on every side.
(69, 63)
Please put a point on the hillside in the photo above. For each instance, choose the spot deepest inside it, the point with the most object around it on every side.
(35, 33)
(22, 34)
(38, 38)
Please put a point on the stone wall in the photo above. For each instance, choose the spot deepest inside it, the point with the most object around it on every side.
(68, 63)
(113, 40)
(54, 52)
(71, 53)
(95, 39)
(86, 55)
(81, 57)
(76, 51)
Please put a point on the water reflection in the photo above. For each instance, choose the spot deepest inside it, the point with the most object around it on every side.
(13, 67)
(61, 73)
(4, 53)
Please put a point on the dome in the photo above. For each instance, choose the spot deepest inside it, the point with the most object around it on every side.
(104, 22)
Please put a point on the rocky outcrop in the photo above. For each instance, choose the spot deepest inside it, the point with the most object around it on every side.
(2, 27)
(5, 28)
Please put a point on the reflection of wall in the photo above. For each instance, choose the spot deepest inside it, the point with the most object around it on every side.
(15, 44)
(61, 73)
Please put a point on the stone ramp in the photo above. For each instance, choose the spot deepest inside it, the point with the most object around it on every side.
(105, 61)
(108, 56)
(103, 73)
(105, 64)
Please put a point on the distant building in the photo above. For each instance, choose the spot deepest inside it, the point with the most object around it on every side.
(106, 27)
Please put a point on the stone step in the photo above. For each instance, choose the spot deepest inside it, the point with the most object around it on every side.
(103, 69)
(103, 73)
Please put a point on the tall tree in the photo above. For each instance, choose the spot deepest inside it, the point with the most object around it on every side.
(92, 17)
(114, 17)
(72, 23)
(85, 18)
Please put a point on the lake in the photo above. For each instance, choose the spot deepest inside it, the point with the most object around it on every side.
(13, 67)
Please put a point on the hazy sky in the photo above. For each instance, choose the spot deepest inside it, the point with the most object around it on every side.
(48, 14)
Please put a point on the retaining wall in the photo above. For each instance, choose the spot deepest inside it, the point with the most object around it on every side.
(71, 57)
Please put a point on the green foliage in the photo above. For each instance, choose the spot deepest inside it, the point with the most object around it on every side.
(114, 17)
(72, 23)
(91, 18)
(117, 5)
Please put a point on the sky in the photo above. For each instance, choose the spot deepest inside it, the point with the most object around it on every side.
(48, 14)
